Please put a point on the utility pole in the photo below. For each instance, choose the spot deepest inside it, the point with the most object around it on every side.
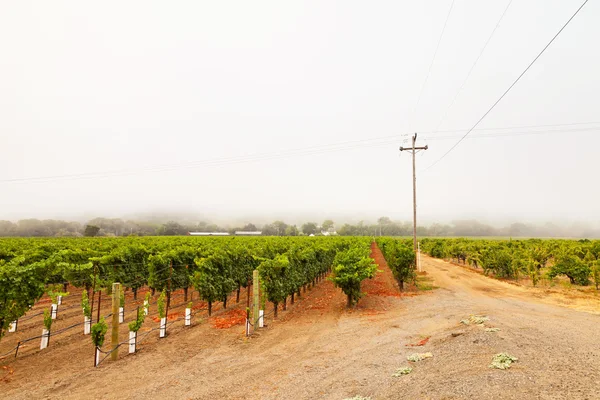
(413, 150)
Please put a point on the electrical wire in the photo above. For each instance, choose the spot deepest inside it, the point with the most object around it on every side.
(510, 87)
(362, 143)
(437, 47)
(473, 67)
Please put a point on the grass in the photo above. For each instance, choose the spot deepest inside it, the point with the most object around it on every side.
(424, 282)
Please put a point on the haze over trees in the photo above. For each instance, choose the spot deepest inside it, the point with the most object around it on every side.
(383, 226)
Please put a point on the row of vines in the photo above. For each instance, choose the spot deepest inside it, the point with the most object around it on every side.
(214, 267)
(536, 259)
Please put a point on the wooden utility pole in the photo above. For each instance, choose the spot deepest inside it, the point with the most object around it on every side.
(116, 297)
(413, 150)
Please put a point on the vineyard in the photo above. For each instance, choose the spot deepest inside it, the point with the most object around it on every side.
(41, 278)
(324, 301)
(534, 259)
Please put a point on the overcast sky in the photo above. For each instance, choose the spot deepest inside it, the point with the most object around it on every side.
(284, 108)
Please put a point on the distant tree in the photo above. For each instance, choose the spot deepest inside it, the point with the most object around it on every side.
(213, 228)
(7, 228)
(33, 227)
(347, 230)
(327, 225)
(109, 226)
(309, 228)
(269, 230)
(91, 230)
(249, 228)
(280, 227)
(276, 228)
(171, 228)
(291, 230)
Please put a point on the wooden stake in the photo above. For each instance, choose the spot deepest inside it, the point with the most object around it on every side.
(255, 287)
(116, 289)
(99, 299)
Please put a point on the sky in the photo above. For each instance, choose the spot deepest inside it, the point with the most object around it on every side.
(280, 109)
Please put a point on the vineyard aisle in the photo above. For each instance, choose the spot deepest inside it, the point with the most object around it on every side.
(318, 349)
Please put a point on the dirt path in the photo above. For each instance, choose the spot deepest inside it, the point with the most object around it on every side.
(318, 349)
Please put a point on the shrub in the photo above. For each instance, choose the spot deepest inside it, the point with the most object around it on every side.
(573, 267)
(160, 303)
(85, 304)
(99, 330)
(350, 268)
(47, 319)
(135, 326)
(122, 299)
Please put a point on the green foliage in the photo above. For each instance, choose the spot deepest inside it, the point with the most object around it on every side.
(402, 371)
(499, 261)
(99, 330)
(28, 264)
(573, 267)
(135, 325)
(214, 278)
(147, 301)
(127, 264)
(122, 298)
(400, 258)
(273, 278)
(161, 304)
(350, 268)
(438, 250)
(502, 361)
(53, 292)
(509, 259)
(91, 230)
(79, 274)
(596, 274)
(533, 271)
(85, 304)
(416, 357)
(309, 228)
(21, 285)
(47, 319)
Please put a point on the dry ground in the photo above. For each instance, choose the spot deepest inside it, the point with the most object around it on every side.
(318, 349)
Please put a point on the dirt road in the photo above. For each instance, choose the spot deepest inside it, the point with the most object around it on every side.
(318, 349)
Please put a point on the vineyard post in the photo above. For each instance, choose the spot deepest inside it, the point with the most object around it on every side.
(248, 308)
(116, 300)
(93, 293)
(248, 295)
(256, 306)
(99, 299)
(169, 287)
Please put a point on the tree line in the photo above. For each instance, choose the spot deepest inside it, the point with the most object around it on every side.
(384, 226)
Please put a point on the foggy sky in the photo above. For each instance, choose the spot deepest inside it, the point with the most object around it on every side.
(123, 89)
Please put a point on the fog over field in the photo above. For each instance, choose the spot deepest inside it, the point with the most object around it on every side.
(252, 112)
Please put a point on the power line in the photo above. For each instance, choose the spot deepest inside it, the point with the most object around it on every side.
(307, 151)
(518, 133)
(473, 66)
(510, 87)
(431, 64)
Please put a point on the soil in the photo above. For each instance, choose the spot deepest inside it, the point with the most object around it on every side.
(319, 349)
